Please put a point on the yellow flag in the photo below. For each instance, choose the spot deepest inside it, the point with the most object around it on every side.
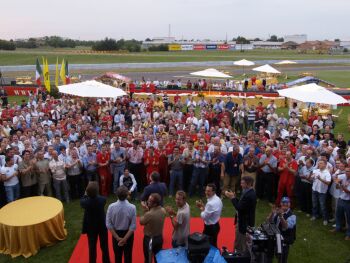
(63, 72)
(57, 74)
(46, 75)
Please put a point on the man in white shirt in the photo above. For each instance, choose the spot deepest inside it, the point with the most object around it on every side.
(321, 180)
(210, 213)
(343, 204)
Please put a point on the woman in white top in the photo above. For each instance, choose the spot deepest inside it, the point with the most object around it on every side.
(9, 175)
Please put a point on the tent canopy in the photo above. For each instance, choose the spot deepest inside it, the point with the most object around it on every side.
(211, 73)
(243, 62)
(286, 62)
(91, 89)
(312, 93)
(267, 69)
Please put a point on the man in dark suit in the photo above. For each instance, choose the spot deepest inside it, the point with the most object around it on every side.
(245, 208)
(94, 222)
(155, 187)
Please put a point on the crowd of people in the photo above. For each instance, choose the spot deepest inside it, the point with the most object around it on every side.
(155, 147)
(246, 84)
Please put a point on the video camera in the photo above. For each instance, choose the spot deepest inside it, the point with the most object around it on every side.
(266, 242)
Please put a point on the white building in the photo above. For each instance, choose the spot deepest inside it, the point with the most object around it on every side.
(296, 38)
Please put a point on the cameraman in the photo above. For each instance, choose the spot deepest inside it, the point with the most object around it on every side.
(286, 221)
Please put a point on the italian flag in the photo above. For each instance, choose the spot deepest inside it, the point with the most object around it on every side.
(67, 73)
(38, 73)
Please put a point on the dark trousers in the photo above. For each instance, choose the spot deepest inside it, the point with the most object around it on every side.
(92, 239)
(265, 186)
(212, 231)
(305, 197)
(214, 177)
(75, 186)
(91, 176)
(125, 250)
(157, 244)
(28, 191)
(199, 178)
(188, 169)
(2, 195)
(137, 170)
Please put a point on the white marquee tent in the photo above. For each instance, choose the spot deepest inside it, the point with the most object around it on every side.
(211, 73)
(267, 69)
(312, 93)
(91, 89)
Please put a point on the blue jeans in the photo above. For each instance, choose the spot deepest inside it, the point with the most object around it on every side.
(117, 172)
(319, 205)
(343, 207)
(176, 176)
(199, 177)
(61, 186)
(12, 192)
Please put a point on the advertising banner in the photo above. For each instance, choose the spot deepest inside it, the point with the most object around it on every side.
(211, 47)
(223, 47)
(186, 47)
(20, 90)
(199, 47)
(174, 47)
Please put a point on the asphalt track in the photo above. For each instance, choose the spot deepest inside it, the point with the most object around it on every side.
(86, 73)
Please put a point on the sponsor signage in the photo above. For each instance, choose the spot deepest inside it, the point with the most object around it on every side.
(211, 47)
(199, 47)
(223, 47)
(174, 47)
(20, 90)
(186, 47)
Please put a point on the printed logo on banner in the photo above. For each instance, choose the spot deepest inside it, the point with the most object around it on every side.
(223, 47)
(174, 47)
(211, 47)
(186, 47)
(199, 47)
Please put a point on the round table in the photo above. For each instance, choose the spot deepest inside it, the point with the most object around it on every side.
(30, 223)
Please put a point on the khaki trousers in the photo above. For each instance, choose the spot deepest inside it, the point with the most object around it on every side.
(230, 183)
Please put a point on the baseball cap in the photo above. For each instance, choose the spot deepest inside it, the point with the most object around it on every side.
(285, 200)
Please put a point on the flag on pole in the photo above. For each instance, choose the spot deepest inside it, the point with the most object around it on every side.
(57, 74)
(63, 72)
(38, 73)
(46, 75)
(67, 73)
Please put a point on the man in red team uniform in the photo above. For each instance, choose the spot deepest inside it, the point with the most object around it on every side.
(287, 169)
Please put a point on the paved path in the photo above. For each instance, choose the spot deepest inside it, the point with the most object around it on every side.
(113, 66)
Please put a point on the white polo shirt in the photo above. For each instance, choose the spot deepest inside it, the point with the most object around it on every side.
(9, 171)
(319, 186)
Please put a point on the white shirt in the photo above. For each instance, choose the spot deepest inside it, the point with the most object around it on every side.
(346, 183)
(212, 211)
(334, 191)
(319, 186)
(9, 171)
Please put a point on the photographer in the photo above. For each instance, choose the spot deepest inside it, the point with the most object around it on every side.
(285, 220)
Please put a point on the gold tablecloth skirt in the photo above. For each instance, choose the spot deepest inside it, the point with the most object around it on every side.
(45, 225)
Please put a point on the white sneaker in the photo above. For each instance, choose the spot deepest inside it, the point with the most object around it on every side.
(325, 222)
(313, 218)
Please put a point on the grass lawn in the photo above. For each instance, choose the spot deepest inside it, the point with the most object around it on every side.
(314, 243)
(28, 56)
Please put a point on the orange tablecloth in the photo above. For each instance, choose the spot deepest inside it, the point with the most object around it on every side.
(30, 223)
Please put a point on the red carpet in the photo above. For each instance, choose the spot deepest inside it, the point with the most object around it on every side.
(226, 238)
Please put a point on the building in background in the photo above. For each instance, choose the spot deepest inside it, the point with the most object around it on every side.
(299, 39)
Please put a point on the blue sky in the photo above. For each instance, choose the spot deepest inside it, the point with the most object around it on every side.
(190, 19)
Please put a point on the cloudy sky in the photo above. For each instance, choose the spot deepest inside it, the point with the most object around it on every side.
(189, 19)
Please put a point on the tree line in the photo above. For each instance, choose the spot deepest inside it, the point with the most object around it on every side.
(107, 44)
